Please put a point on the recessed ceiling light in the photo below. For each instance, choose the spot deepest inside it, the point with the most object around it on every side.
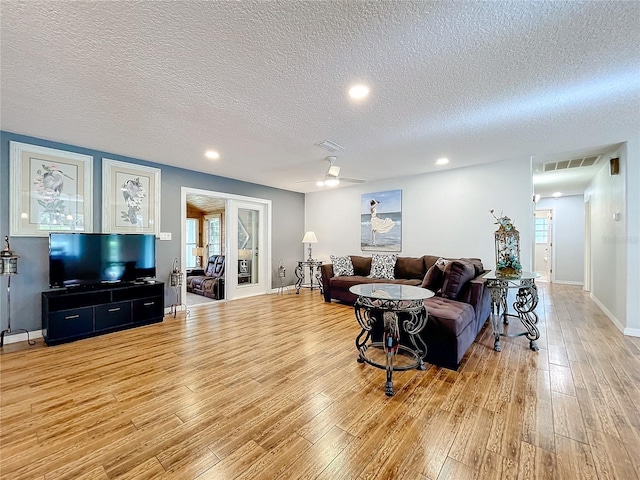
(556, 194)
(442, 161)
(212, 154)
(358, 92)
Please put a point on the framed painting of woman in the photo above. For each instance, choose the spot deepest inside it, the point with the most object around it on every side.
(381, 221)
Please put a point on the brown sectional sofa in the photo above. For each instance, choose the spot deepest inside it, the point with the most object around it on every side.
(457, 312)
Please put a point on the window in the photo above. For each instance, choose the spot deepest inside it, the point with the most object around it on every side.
(191, 236)
(215, 234)
(541, 230)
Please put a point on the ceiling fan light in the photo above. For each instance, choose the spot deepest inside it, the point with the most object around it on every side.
(331, 182)
(334, 171)
(319, 183)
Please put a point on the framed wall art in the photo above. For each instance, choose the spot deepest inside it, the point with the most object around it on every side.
(130, 198)
(381, 221)
(50, 191)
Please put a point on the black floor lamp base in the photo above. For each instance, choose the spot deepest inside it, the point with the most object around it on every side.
(29, 341)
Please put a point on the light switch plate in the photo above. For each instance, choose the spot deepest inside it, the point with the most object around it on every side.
(165, 235)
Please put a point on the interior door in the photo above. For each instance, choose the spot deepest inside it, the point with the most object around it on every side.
(248, 246)
(543, 244)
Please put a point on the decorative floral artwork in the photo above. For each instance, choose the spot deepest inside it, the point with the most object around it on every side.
(49, 184)
(131, 198)
(134, 193)
(50, 190)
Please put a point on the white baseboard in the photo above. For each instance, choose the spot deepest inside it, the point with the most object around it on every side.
(632, 332)
(568, 282)
(606, 311)
(22, 337)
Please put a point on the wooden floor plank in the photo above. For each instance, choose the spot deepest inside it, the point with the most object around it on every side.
(278, 394)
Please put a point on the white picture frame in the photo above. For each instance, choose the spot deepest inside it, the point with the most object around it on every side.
(50, 191)
(130, 198)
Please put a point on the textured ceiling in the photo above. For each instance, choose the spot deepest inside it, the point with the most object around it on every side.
(262, 82)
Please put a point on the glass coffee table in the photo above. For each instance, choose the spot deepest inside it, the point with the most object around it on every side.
(378, 306)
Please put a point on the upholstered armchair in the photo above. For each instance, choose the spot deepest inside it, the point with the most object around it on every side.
(211, 284)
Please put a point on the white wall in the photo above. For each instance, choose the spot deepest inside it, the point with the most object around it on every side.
(630, 156)
(608, 246)
(567, 237)
(444, 213)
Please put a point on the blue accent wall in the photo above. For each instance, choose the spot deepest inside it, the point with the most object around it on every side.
(33, 266)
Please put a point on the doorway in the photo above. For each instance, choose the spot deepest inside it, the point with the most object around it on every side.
(543, 251)
(239, 228)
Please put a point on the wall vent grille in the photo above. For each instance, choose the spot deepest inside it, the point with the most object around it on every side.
(573, 163)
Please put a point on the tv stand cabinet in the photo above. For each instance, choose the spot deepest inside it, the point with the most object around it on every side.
(69, 315)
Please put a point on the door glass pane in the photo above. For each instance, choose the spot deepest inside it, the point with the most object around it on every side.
(191, 236)
(248, 226)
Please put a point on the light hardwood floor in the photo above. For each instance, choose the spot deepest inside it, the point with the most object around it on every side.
(269, 387)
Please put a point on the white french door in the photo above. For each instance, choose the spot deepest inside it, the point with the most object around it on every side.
(248, 258)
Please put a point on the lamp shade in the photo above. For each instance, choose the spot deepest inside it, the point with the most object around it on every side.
(310, 237)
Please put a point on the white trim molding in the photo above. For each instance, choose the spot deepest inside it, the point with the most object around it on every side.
(606, 311)
(22, 337)
(632, 332)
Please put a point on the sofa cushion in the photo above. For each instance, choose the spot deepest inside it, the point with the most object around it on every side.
(449, 315)
(341, 265)
(456, 274)
(410, 267)
(361, 265)
(345, 282)
(383, 266)
(433, 279)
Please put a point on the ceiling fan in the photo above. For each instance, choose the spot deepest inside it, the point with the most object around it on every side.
(333, 178)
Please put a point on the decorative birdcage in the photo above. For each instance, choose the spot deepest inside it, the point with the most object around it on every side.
(175, 277)
(8, 260)
(507, 240)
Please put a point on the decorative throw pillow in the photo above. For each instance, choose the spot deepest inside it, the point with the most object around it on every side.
(433, 278)
(382, 266)
(341, 266)
(457, 274)
(442, 262)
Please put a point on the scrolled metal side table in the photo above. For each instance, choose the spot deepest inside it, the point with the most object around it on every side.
(391, 299)
(314, 274)
(524, 305)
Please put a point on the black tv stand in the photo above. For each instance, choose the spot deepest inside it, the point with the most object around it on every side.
(78, 312)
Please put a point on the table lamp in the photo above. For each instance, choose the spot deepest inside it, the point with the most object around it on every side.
(198, 252)
(310, 237)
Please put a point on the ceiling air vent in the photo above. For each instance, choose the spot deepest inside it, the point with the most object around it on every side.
(573, 163)
(329, 145)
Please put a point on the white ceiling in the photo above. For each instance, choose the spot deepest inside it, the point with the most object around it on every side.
(262, 82)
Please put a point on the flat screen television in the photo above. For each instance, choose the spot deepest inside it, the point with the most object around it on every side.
(88, 259)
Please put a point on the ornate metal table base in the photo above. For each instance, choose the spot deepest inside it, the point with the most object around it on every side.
(369, 311)
(525, 304)
(314, 274)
